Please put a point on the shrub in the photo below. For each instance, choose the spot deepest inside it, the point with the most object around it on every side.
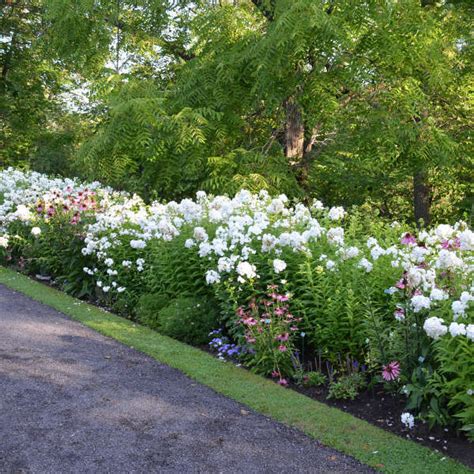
(149, 307)
(398, 302)
(347, 386)
(270, 335)
(188, 319)
(314, 379)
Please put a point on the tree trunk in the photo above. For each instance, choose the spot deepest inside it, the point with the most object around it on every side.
(421, 197)
(311, 140)
(294, 131)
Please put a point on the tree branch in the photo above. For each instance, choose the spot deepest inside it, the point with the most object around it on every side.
(266, 8)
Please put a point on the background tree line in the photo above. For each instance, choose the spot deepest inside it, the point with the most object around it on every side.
(354, 102)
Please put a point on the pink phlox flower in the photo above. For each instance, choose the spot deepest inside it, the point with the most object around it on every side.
(399, 314)
(408, 239)
(400, 284)
(451, 244)
(250, 321)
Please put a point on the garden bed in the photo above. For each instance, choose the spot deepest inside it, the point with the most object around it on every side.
(273, 281)
(384, 410)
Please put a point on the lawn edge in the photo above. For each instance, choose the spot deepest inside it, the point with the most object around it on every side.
(372, 446)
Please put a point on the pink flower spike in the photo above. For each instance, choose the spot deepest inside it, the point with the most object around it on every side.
(283, 382)
(276, 374)
(391, 371)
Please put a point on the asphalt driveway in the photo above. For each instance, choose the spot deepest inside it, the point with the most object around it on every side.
(72, 400)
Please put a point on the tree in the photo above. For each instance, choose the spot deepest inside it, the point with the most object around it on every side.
(353, 102)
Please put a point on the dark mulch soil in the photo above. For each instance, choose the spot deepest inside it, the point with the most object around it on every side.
(384, 410)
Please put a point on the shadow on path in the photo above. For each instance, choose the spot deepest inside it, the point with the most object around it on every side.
(72, 400)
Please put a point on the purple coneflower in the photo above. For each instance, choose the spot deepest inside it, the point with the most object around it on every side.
(391, 371)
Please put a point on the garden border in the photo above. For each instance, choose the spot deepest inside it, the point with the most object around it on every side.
(371, 445)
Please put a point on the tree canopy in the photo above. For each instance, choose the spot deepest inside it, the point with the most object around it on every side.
(355, 103)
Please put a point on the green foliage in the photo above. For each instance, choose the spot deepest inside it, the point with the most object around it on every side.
(149, 307)
(347, 386)
(141, 145)
(314, 379)
(454, 384)
(180, 96)
(188, 319)
(242, 169)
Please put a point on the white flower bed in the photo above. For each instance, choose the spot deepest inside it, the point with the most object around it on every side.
(243, 226)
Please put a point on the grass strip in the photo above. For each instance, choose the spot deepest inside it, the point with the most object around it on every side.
(373, 446)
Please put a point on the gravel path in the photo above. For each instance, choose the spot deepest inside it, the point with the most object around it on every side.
(72, 400)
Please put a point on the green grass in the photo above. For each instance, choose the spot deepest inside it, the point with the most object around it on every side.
(367, 443)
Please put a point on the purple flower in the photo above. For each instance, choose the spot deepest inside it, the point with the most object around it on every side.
(408, 239)
(391, 371)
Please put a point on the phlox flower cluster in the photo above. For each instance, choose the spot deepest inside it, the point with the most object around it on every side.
(241, 238)
(437, 271)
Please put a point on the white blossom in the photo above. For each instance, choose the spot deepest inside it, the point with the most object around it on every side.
(420, 302)
(246, 270)
(434, 327)
(408, 420)
(457, 329)
(336, 213)
(279, 265)
(137, 244)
